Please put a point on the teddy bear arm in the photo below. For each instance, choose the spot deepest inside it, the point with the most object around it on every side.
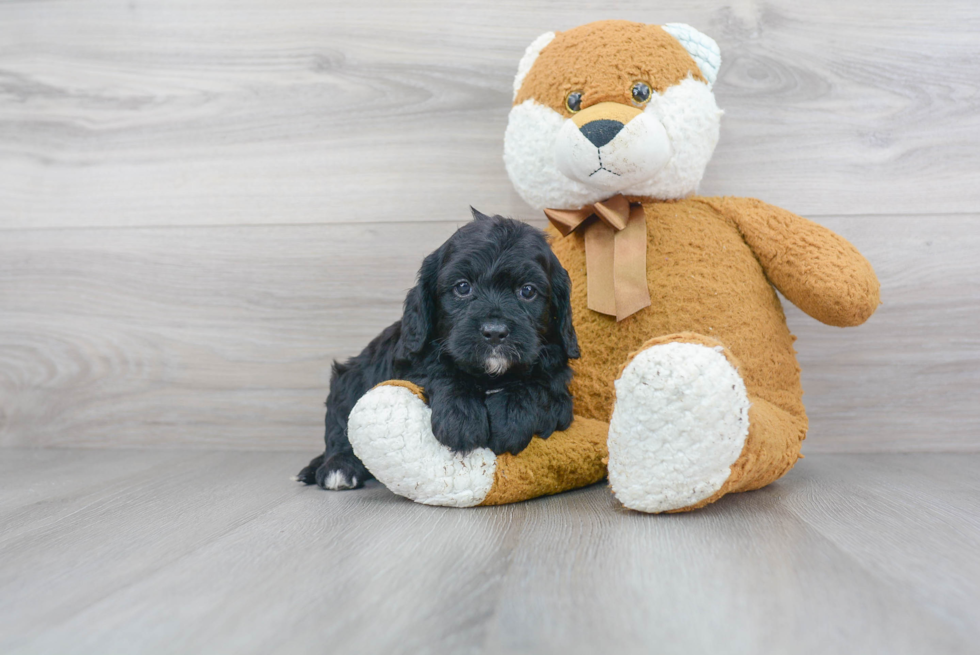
(817, 270)
(390, 430)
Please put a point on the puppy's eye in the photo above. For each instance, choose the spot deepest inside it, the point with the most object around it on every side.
(462, 288)
(573, 102)
(528, 292)
(641, 92)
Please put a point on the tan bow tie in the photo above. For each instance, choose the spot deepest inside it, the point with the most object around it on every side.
(615, 253)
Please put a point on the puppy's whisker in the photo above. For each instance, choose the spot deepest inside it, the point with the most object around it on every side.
(442, 347)
(512, 352)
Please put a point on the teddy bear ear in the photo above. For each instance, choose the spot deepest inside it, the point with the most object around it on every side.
(530, 55)
(700, 46)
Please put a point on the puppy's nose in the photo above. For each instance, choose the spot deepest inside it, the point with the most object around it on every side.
(494, 332)
(601, 132)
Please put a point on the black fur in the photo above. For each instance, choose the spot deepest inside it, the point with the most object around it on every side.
(448, 338)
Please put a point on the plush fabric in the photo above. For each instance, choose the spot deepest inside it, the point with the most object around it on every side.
(603, 60)
(699, 391)
(667, 452)
(704, 277)
(390, 430)
(567, 460)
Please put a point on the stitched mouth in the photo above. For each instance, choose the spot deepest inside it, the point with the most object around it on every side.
(601, 167)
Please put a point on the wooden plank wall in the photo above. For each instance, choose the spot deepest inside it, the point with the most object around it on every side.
(202, 204)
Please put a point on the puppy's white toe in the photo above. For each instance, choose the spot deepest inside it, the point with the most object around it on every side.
(390, 429)
(680, 421)
(337, 480)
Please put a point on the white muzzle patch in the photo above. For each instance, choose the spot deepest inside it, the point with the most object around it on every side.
(496, 365)
(638, 151)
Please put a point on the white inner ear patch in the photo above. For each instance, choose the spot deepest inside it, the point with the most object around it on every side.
(530, 56)
(701, 47)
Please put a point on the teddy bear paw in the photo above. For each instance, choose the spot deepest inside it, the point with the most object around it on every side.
(390, 429)
(680, 422)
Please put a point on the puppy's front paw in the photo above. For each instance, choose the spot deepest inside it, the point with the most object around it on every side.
(510, 432)
(515, 417)
(461, 424)
(513, 442)
(342, 471)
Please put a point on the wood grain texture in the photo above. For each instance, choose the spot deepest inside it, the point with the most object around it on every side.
(182, 113)
(221, 553)
(909, 379)
(193, 336)
(223, 337)
(203, 204)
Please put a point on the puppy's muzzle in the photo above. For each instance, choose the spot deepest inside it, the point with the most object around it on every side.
(494, 333)
(611, 146)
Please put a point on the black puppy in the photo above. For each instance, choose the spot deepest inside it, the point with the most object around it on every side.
(487, 332)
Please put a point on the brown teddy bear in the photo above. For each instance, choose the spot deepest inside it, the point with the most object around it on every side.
(686, 355)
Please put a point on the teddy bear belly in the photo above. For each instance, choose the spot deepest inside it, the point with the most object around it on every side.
(703, 278)
(763, 346)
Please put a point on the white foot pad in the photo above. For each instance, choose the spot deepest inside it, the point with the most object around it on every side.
(390, 429)
(680, 422)
(337, 480)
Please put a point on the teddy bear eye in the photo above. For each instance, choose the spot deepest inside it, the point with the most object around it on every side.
(641, 92)
(573, 102)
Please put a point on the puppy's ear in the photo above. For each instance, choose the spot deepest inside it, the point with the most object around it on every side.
(418, 317)
(561, 308)
(477, 214)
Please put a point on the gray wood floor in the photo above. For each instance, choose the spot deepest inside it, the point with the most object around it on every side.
(168, 551)
(202, 204)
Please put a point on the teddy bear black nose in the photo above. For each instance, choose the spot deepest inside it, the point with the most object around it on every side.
(601, 132)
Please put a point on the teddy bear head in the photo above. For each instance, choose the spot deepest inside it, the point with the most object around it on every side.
(612, 107)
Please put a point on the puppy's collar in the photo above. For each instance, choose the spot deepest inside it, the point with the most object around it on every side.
(490, 392)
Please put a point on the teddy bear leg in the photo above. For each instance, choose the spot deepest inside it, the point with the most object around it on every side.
(390, 430)
(685, 431)
(771, 450)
